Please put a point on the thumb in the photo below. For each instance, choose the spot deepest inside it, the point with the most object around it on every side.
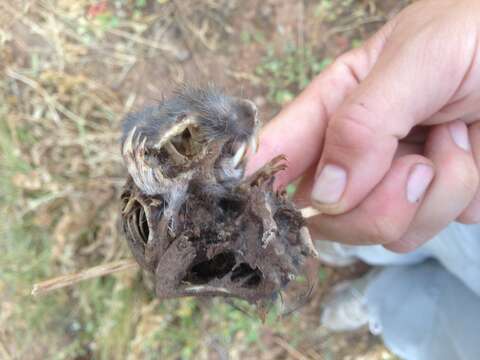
(397, 93)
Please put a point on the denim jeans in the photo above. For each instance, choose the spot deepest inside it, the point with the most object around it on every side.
(426, 304)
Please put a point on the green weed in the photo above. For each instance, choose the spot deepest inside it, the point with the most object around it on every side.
(289, 72)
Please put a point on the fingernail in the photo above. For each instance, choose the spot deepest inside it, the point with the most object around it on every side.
(418, 182)
(329, 185)
(459, 134)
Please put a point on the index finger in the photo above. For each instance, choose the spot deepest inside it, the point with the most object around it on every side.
(298, 131)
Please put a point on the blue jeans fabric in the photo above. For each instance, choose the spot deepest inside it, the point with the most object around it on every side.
(426, 304)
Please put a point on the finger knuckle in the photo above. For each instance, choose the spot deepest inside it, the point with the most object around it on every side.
(350, 132)
(361, 117)
(338, 74)
(475, 127)
(405, 245)
(464, 175)
(471, 215)
(342, 68)
(469, 218)
(381, 229)
(385, 230)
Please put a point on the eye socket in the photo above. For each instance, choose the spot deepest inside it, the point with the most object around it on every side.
(248, 112)
(231, 206)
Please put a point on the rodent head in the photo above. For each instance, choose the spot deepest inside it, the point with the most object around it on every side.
(169, 140)
(220, 115)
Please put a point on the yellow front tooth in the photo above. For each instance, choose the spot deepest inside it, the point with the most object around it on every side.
(143, 143)
(239, 155)
(254, 143)
(127, 144)
(306, 240)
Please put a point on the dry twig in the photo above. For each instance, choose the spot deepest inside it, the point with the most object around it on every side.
(71, 279)
(292, 352)
(4, 353)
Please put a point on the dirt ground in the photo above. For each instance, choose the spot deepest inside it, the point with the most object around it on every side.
(70, 71)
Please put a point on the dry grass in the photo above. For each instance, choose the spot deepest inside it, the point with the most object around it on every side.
(70, 71)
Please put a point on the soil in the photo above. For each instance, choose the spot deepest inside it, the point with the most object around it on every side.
(70, 76)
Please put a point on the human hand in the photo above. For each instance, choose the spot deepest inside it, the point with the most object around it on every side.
(388, 137)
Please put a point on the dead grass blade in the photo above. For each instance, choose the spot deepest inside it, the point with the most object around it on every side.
(292, 352)
(72, 279)
(4, 352)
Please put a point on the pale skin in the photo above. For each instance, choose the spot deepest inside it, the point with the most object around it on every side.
(387, 139)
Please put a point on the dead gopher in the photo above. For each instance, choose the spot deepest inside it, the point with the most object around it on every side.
(189, 215)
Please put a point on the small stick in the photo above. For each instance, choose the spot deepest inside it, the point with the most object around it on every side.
(294, 353)
(62, 281)
(4, 352)
(44, 287)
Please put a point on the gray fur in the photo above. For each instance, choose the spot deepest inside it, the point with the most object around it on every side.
(218, 115)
